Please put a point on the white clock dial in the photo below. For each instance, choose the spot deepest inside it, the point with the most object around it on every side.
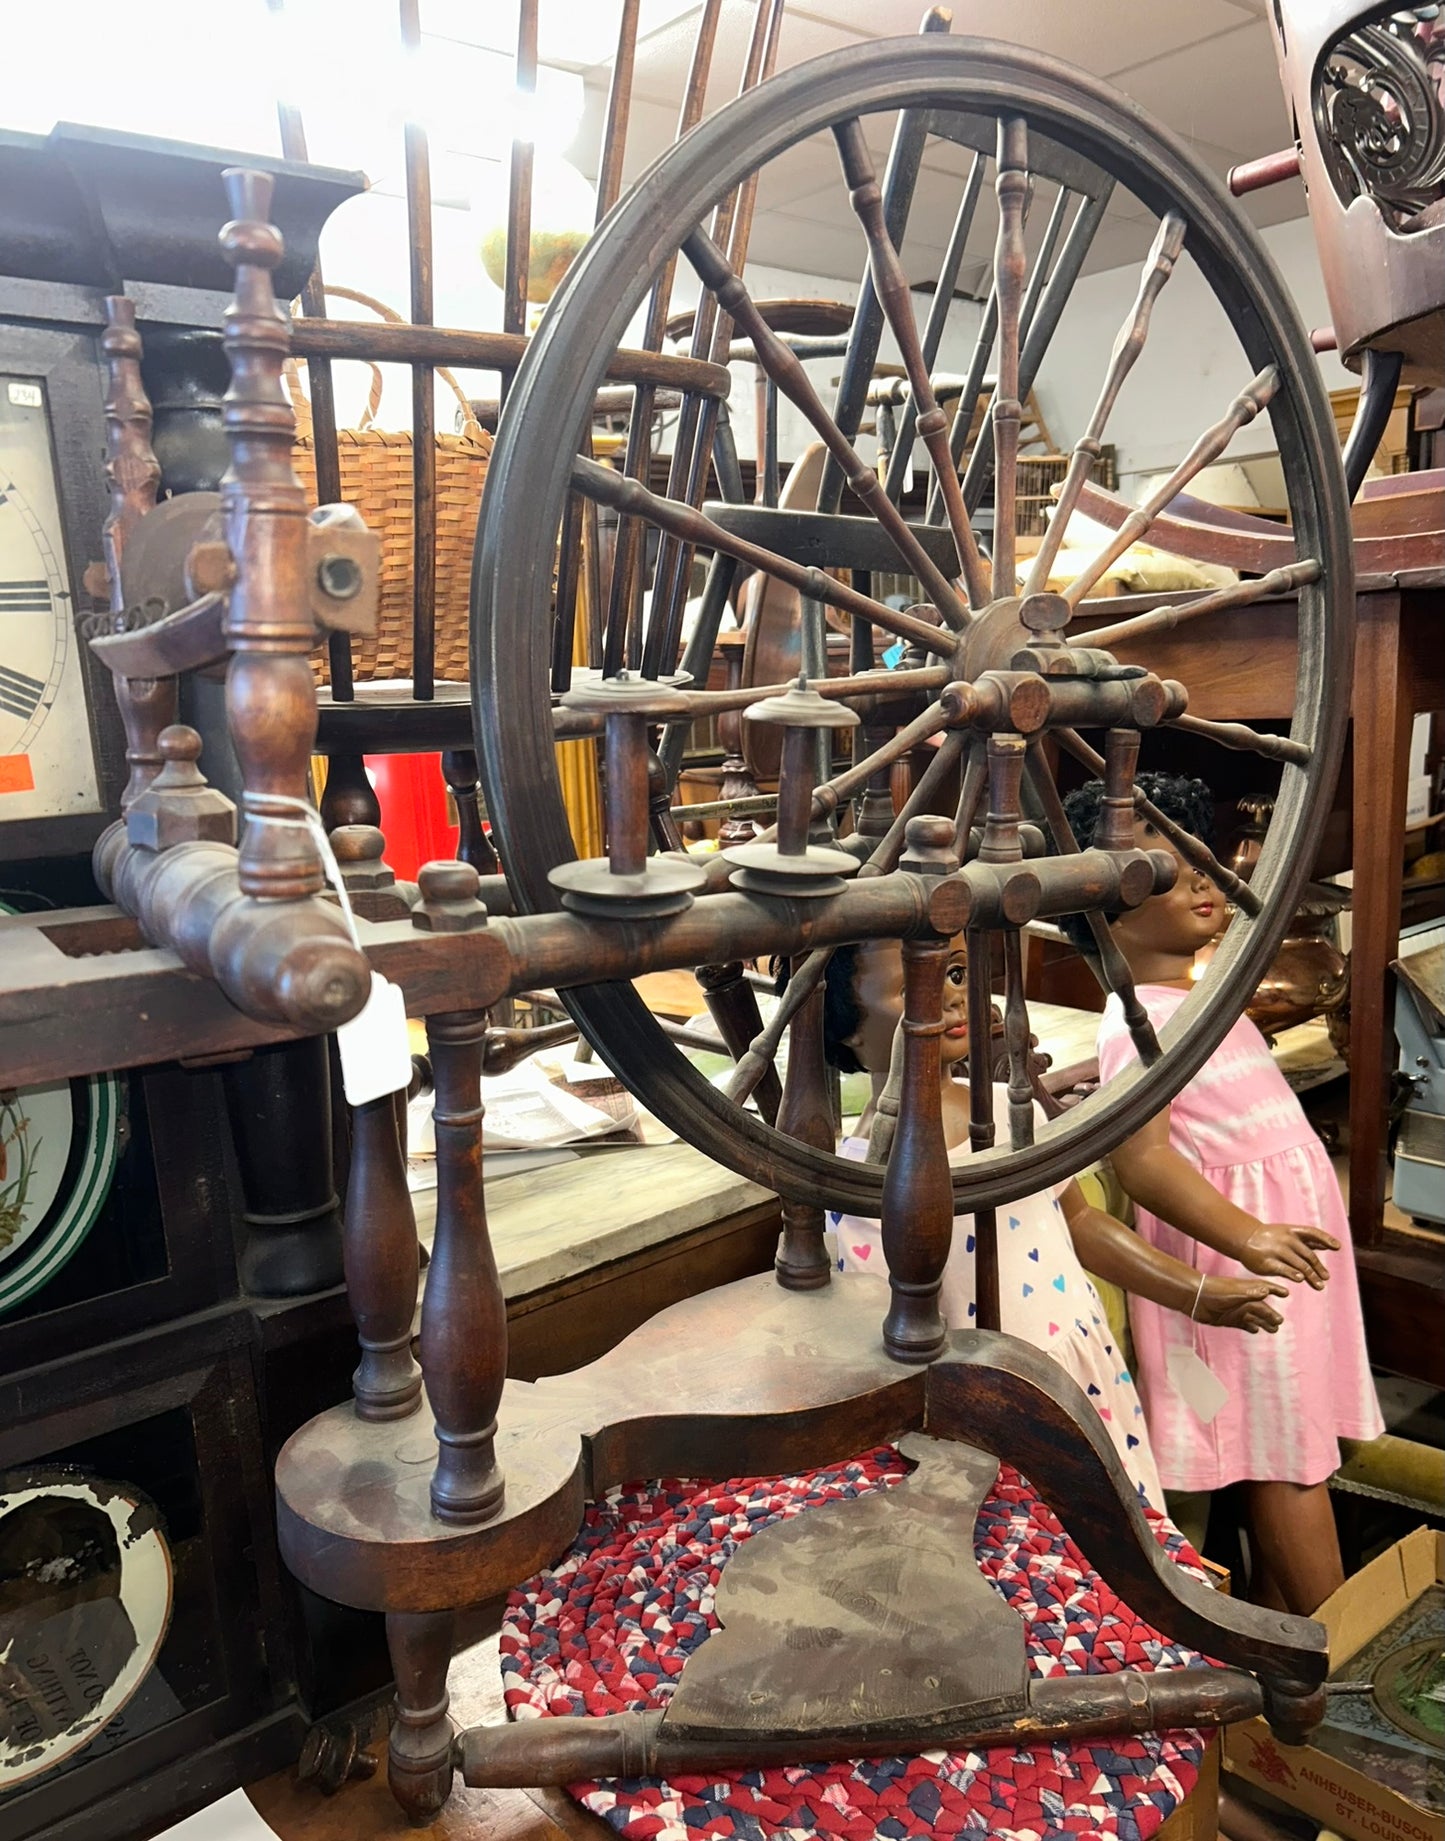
(47, 764)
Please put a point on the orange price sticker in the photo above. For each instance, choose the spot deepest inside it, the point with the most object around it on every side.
(16, 774)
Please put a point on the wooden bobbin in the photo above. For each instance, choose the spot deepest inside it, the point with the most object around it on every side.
(628, 884)
(792, 866)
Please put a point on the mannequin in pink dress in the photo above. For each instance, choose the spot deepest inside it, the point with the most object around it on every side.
(1046, 1240)
(1232, 1180)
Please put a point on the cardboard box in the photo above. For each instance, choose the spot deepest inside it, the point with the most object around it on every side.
(1335, 1793)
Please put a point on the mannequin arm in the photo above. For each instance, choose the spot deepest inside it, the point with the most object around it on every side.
(1168, 1185)
(1126, 1259)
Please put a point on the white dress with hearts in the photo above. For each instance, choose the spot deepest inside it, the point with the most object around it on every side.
(1044, 1295)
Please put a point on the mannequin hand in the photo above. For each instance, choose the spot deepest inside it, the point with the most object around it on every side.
(1287, 1252)
(1240, 1304)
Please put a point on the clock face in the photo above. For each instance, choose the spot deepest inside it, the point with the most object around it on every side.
(47, 764)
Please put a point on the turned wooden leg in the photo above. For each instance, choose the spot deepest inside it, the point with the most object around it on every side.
(419, 1763)
(918, 1183)
(379, 1250)
(1382, 728)
(802, 1262)
(348, 797)
(279, 1101)
(464, 1316)
(459, 770)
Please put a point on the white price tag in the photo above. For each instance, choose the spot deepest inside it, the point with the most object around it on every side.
(1196, 1383)
(375, 1047)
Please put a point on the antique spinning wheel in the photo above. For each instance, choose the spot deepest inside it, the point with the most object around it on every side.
(1009, 652)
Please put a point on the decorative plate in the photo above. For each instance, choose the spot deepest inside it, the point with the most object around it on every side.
(58, 1147)
(85, 1604)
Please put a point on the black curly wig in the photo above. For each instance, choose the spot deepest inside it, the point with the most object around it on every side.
(842, 1013)
(1190, 803)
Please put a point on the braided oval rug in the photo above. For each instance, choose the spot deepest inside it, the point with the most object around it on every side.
(607, 1630)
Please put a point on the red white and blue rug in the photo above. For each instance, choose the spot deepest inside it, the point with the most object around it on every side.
(608, 1629)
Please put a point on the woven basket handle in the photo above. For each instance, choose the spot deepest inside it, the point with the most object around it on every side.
(390, 314)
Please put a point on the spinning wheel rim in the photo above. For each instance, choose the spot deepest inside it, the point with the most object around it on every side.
(512, 570)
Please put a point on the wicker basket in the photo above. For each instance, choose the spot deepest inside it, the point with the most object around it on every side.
(376, 477)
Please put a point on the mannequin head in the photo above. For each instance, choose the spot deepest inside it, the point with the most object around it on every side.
(863, 1005)
(1160, 938)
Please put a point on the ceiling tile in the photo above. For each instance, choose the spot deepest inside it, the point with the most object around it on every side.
(826, 248)
(1225, 92)
(1099, 35)
(664, 56)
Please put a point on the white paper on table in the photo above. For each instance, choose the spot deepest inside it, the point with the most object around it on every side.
(526, 1111)
(234, 1818)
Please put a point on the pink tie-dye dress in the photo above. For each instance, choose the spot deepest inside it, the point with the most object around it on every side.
(1291, 1396)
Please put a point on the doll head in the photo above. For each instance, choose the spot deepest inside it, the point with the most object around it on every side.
(863, 1005)
(1163, 934)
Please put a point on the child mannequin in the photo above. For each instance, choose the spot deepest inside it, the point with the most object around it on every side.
(1232, 1178)
(1045, 1294)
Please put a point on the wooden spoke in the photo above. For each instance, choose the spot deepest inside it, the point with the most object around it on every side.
(1240, 594)
(1010, 262)
(629, 557)
(787, 372)
(891, 286)
(699, 420)
(1111, 968)
(1168, 243)
(1034, 331)
(828, 796)
(1016, 1036)
(937, 318)
(1255, 396)
(967, 401)
(900, 177)
(1248, 741)
(890, 846)
(631, 496)
(975, 779)
(763, 1049)
(1198, 854)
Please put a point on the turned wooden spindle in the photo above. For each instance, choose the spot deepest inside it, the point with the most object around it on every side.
(459, 770)
(1010, 262)
(874, 814)
(133, 474)
(419, 1753)
(805, 1114)
(379, 1254)
(1001, 842)
(270, 691)
(918, 1184)
(1115, 827)
(733, 1006)
(980, 1120)
(464, 1316)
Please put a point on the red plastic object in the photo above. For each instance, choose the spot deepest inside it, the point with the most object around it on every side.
(413, 797)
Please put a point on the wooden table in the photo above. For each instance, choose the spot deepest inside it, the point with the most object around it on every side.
(588, 1250)
(1243, 668)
